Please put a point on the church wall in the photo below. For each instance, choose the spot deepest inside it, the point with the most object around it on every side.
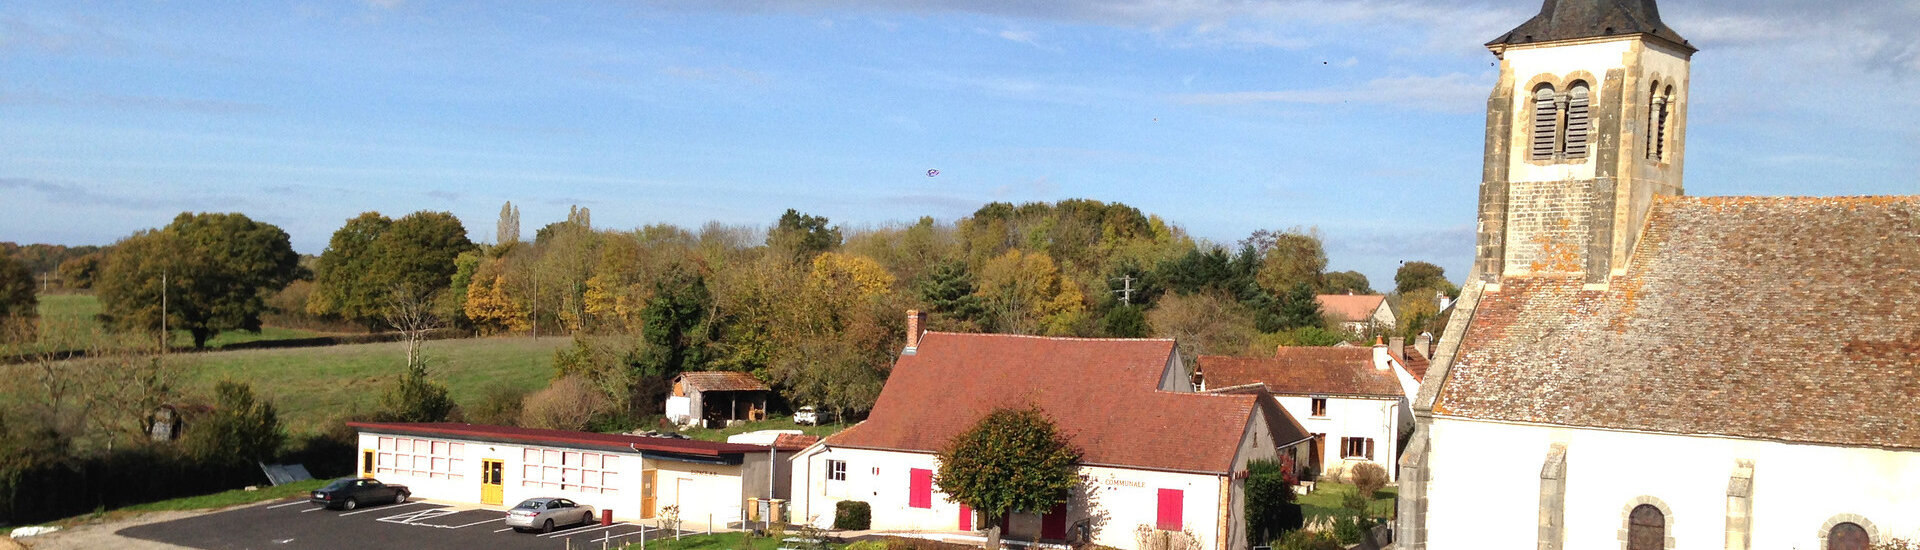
(1485, 487)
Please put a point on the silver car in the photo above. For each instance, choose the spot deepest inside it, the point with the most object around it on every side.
(542, 514)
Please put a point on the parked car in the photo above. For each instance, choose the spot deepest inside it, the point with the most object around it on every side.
(351, 492)
(806, 415)
(544, 513)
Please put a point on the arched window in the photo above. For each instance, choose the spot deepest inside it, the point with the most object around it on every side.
(1848, 536)
(1577, 123)
(1654, 104)
(1646, 528)
(1546, 121)
(1665, 104)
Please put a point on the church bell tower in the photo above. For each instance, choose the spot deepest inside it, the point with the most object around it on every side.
(1587, 124)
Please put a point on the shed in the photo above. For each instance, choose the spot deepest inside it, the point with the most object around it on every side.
(715, 398)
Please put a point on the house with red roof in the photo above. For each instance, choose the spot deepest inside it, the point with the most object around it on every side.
(1159, 461)
(635, 477)
(1353, 400)
(1357, 313)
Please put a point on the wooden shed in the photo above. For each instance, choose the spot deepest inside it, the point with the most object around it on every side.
(714, 398)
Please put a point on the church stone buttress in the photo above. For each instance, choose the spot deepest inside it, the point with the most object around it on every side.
(1586, 125)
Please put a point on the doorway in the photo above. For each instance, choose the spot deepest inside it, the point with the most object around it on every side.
(647, 493)
(492, 483)
(366, 463)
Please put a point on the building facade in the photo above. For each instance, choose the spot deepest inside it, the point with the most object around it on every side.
(1353, 400)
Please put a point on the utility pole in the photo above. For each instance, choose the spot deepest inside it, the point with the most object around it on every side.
(536, 305)
(163, 312)
(1126, 291)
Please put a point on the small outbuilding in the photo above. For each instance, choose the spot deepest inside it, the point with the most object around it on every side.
(716, 398)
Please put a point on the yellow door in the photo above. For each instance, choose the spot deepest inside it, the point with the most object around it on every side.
(646, 494)
(366, 464)
(491, 474)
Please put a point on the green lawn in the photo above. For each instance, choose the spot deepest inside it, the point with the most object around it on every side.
(782, 422)
(716, 541)
(67, 322)
(1326, 496)
(312, 385)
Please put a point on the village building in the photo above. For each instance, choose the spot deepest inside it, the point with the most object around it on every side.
(1353, 400)
(1632, 368)
(1357, 313)
(1160, 462)
(716, 398)
(635, 477)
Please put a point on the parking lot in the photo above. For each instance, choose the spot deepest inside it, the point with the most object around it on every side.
(295, 524)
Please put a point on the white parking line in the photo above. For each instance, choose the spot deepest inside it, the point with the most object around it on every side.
(417, 516)
(313, 509)
(287, 504)
(382, 508)
(588, 527)
(500, 530)
(473, 524)
(611, 536)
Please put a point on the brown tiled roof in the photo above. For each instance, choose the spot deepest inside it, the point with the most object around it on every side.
(1304, 371)
(1349, 307)
(1102, 393)
(1415, 362)
(786, 442)
(1793, 319)
(559, 438)
(722, 381)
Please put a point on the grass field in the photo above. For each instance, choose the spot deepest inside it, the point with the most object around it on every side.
(1326, 496)
(313, 385)
(66, 322)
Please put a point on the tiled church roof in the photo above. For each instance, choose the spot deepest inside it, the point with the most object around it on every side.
(1793, 319)
(1571, 19)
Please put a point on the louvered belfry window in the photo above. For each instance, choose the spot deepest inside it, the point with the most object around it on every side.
(1545, 123)
(1656, 115)
(1577, 121)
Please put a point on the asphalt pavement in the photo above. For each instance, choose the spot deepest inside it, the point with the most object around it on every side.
(297, 525)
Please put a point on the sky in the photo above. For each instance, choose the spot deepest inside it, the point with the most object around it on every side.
(1363, 119)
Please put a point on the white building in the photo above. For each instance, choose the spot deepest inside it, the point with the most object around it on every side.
(1630, 368)
(1352, 399)
(1159, 461)
(636, 477)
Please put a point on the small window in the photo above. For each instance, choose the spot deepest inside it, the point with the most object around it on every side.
(837, 470)
(1356, 447)
(1319, 406)
(1546, 123)
(1646, 528)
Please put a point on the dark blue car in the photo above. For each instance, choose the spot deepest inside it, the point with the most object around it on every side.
(351, 492)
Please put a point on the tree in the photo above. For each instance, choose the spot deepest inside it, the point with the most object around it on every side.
(241, 429)
(1299, 308)
(217, 269)
(416, 398)
(802, 236)
(1345, 282)
(1126, 321)
(1012, 460)
(1023, 293)
(676, 324)
(342, 286)
(416, 254)
(1417, 275)
(1294, 257)
(1203, 323)
(1270, 507)
(507, 230)
(949, 291)
(78, 271)
(17, 300)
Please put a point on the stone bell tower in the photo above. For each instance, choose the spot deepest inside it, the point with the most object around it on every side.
(1587, 124)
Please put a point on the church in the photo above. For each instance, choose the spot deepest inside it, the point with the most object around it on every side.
(1629, 367)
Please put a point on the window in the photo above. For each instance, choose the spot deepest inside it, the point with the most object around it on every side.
(837, 470)
(1319, 406)
(1168, 517)
(570, 471)
(424, 458)
(920, 488)
(1848, 536)
(1356, 447)
(1646, 528)
(1657, 109)
(1577, 121)
(1546, 123)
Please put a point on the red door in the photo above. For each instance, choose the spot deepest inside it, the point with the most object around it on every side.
(1053, 525)
(966, 518)
(1168, 516)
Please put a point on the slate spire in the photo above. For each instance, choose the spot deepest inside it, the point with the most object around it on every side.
(1573, 19)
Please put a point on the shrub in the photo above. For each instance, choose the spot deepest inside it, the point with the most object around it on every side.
(1270, 507)
(1307, 540)
(568, 404)
(852, 515)
(1350, 529)
(499, 405)
(868, 545)
(1355, 503)
(1369, 478)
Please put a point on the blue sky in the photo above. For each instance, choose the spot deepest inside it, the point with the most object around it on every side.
(1362, 118)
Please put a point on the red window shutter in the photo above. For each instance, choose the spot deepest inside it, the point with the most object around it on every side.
(1369, 448)
(920, 488)
(1171, 501)
(966, 518)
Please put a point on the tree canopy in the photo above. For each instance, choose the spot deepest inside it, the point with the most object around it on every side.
(1012, 460)
(372, 257)
(17, 300)
(218, 270)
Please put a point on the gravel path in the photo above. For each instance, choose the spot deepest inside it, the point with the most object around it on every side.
(99, 534)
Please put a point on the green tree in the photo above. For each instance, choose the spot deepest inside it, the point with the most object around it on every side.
(949, 291)
(1012, 460)
(1295, 256)
(416, 397)
(802, 235)
(78, 271)
(1342, 282)
(1299, 308)
(1126, 321)
(341, 284)
(241, 429)
(1270, 507)
(218, 270)
(675, 324)
(1418, 275)
(17, 300)
(371, 257)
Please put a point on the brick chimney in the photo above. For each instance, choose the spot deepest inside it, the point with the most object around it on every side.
(1380, 359)
(1397, 346)
(916, 326)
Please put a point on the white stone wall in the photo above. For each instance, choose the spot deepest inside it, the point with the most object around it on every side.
(1378, 418)
(1125, 498)
(1485, 487)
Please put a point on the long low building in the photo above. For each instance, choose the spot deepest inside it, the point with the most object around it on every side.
(637, 477)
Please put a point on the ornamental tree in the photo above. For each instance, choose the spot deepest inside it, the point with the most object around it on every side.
(1013, 460)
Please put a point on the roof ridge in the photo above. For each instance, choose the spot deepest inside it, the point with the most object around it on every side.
(1060, 338)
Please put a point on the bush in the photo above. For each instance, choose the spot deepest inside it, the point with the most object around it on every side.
(1350, 529)
(852, 515)
(499, 405)
(1307, 540)
(1270, 507)
(239, 431)
(1369, 478)
(568, 404)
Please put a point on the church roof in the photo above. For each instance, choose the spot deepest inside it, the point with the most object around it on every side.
(1779, 318)
(1572, 19)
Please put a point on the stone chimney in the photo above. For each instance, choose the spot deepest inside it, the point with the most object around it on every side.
(1424, 344)
(916, 326)
(1397, 346)
(1380, 359)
